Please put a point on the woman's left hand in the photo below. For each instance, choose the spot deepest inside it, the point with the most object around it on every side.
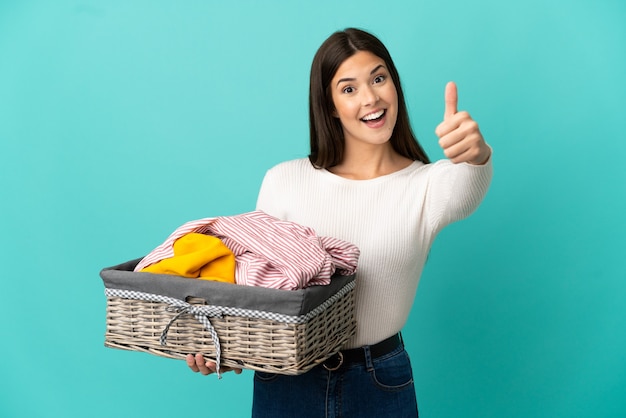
(459, 136)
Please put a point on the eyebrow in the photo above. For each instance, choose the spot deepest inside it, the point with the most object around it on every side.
(378, 67)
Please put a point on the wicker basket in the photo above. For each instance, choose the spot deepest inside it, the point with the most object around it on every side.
(277, 331)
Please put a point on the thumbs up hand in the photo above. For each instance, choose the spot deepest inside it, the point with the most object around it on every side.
(459, 136)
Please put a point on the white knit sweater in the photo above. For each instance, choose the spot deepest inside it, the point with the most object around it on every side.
(393, 219)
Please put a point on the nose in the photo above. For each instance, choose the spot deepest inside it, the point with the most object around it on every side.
(369, 96)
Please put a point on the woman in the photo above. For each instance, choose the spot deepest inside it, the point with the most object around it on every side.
(369, 182)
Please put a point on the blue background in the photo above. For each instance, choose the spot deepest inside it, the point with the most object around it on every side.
(120, 120)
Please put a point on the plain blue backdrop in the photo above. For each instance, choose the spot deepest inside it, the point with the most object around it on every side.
(121, 120)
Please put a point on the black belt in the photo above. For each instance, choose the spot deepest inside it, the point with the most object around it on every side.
(357, 355)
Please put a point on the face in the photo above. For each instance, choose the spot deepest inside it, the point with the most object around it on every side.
(365, 99)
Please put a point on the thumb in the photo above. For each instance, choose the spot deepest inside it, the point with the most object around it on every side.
(451, 98)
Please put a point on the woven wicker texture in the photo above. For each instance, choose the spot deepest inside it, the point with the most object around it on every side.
(250, 343)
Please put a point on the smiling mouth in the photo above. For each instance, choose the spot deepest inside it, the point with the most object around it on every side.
(372, 117)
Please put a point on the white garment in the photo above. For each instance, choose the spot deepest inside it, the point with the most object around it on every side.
(392, 219)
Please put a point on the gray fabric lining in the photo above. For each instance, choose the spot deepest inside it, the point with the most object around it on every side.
(286, 302)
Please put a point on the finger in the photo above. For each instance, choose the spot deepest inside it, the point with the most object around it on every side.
(455, 152)
(459, 121)
(212, 366)
(465, 157)
(201, 364)
(191, 362)
(469, 149)
(225, 369)
(451, 139)
(451, 98)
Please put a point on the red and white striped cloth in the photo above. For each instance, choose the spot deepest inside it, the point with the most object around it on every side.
(269, 252)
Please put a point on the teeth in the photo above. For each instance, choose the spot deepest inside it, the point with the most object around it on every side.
(373, 116)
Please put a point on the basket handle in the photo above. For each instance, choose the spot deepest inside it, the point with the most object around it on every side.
(203, 315)
(195, 300)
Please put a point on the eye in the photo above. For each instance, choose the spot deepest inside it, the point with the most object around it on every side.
(348, 90)
(379, 79)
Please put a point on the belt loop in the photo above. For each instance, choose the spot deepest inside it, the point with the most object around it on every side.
(369, 365)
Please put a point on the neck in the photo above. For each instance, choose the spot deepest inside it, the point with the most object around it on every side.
(369, 161)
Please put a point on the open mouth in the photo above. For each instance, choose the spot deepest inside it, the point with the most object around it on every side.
(373, 117)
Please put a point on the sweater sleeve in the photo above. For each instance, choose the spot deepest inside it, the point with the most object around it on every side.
(269, 198)
(456, 191)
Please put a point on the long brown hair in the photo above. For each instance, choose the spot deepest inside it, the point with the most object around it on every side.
(327, 140)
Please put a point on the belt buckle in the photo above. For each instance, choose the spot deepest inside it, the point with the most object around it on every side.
(332, 369)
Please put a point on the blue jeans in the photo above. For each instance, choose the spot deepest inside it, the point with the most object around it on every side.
(381, 387)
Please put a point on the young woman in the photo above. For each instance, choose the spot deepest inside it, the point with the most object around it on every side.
(369, 182)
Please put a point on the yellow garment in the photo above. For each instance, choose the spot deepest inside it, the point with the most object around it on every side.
(198, 256)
